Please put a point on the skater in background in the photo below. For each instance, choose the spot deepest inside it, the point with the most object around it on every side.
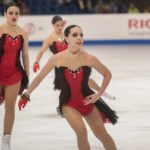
(56, 43)
(76, 99)
(13, 76)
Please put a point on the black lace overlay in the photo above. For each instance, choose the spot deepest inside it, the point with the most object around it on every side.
(64, 96)
(53, 48)
(2, 40)
(25, 80)
(56, 82)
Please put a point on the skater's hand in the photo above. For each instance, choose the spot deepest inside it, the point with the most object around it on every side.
(91, 98)
(36, 67)
(23, 101)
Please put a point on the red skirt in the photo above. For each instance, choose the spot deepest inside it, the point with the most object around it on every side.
(9, 78)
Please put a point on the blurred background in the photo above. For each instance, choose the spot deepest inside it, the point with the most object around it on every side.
(47, 7)
(118, 33)
(114, 21)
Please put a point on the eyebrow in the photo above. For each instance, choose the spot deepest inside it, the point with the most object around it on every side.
(13, 11)
(76, 32)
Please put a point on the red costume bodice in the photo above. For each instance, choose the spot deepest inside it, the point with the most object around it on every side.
(74, 80)
(58, 46)
(74, 89)
(61, 46)
(9, 73)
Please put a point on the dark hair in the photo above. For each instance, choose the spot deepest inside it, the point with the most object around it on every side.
(11, 4)
(55, 19)
(67, 30)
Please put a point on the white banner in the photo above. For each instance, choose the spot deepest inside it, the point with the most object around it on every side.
(95, 27)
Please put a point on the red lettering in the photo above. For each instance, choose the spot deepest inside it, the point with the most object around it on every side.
(139, 24)
(147, 23)
(133, 23)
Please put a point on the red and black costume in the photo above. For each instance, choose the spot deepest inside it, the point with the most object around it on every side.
(74, 89)
(11, 70)
(57, 47)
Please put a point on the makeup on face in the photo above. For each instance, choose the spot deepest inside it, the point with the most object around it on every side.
(58, 26)
(13, 13)
(75, 34)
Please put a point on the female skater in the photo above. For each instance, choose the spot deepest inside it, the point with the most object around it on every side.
(56, 43)
(76, 99)
(13, 77)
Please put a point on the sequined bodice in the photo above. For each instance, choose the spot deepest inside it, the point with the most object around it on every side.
(11, 48)
(74, 89)
(74, 79)
(73, 84)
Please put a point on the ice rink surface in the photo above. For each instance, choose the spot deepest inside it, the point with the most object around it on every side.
(38, 127)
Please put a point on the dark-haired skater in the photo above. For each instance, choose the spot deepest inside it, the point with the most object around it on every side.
(76, 99)
(13, 77)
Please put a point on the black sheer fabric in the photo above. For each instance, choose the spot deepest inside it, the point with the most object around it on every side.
(25, 80)
(53, 48)
(2, 40)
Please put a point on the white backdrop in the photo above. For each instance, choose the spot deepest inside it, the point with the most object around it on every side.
(95, 27)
